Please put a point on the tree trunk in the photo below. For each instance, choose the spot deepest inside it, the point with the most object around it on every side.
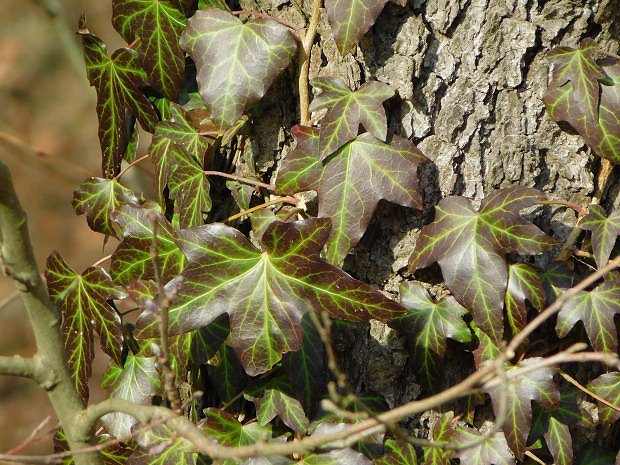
(470, 76)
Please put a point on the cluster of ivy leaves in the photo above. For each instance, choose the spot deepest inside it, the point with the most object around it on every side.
(239, 326)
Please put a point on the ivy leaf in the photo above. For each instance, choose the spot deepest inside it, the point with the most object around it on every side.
(189, 187)
(493, 451)
(535, 385)
(275, 397)
(82, 299)
(306, 366)
(428, 324)
(236, 62)
(265, 293)
(486, 350)
(204, 4)
(347, 109)
(585, 93)
(470, 248)
(596, 310)
(607, 386)
(397, 453)
(227, 430)
(335, 457)
(98, 198)
(352, 182)
(137, 381)
(556, 278)
(524, 284)
(170, 450)
(158, 24)
(132, 259)
(442, 434)
(605, 229)
(351, 19)
(551, 425)
(116, 79)
(227, 374)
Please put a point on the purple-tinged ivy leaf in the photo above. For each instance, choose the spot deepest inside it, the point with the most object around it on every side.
(427, 325)
(442, 434)
(553, 426)
(596, 310)
(397, 453)
(265, 293)
(221, 4)
(557, 278)
(82, 299)
(493, 451)
(132, 259)
(306, 367)
(158, 24)
(98, 198)
(351, 19)
(607, 386)
(160, 446)
(605, 230)
(352, 182)
(236, 62)
(585, 93)
(335, 457)
(535, 385)
(470, 248)
(137, 381)
(486, 350)
(347, 109)
(117, 80)
(274, 397)
(524, 284)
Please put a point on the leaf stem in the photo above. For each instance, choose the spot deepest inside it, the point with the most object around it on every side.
(102, 260)
(581, 387)
(283, 22)
(304, 62)
(133, 45)
(291, 200)
(234, 177)
(578, 208)
(133, 163)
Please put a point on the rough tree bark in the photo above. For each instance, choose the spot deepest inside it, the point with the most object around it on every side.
(470, 76)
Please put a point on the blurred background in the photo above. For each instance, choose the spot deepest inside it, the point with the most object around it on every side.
(48, 137)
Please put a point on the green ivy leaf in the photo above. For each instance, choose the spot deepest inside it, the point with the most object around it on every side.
(557, 278)
(335, 457)
(352, 182)
(221, 4)
(132, 259)
(274, 397)
(397, 453)
(347, 109)
(351, 19)
(158, 24)
(265, 293)
(596, 310)
(116, 454)
(98, 198)
(442, 434)
(226, 429)
(595, 454)
(137, 381)
(493, 451)
(535, 385)
(227, 374)
(608, 387)
(605, 230)
(585, 93)
(236, 62)
(524, 284)
(116, 79)
(167, 449)
(82, 299)
(470, 248)
(428, 324)
(306, 366)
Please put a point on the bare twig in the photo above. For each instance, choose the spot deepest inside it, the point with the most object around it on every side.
(234, 177)
(164, 301)
(581, 387)
(291, 200)
(31, 438)
(304, 62)
(7, 300)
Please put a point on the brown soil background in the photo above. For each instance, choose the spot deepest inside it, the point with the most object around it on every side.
(48, 105)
